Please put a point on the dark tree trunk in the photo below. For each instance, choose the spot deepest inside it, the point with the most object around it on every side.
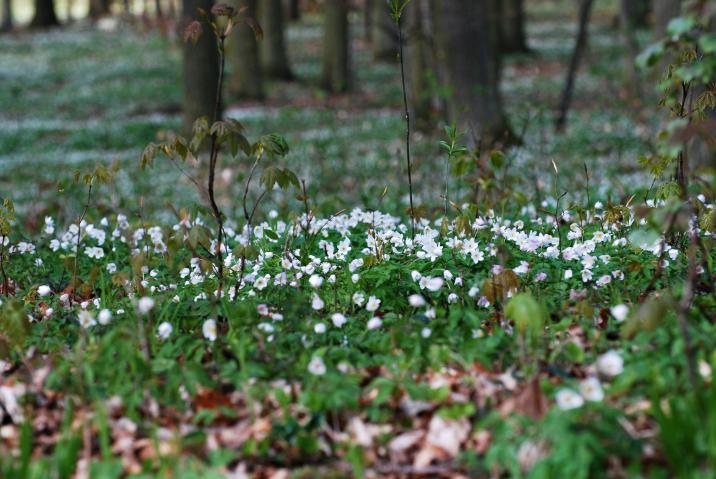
(272, 49)
(45, 15)
(368, 21)
(246, 75)
(336, 47)
(469, 68)
(512, 36)
(158, 8)
(384, 36)
(201, 69)
(294, 10)
(664, 11)
(629, 21)
(98, 8)
(635, 13)
(585, 11)
(418, 64)
(6, 24)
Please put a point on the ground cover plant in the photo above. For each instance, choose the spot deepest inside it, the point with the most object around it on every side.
(272, 295)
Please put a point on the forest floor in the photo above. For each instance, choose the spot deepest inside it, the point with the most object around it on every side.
(538, 333)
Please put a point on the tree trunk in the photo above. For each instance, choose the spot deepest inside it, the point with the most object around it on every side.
(272, 49)
(6, 16)
(246, 76)
(469, 64)
(629, 21)
(336, 47)
(45, 15)
(417, 61)
(368, 21)
(158, 8)
(635, 13)
(512, 35)
(98, 8)
(294, 10)
(384, 36)
(201, 69)
(664, 12)
(585, 11)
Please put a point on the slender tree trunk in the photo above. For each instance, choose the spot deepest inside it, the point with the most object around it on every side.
(664, 12)
(368, 21)
(272, 50)
(417, 59)
(635, 13)
(294, 10)
(45, 15)
(585, 11)
(336, 47)
(6, 24)
(201, 69)
(98, 8)
(512, 36)
(469, 64)
(158, 8)
(629, 21)
(384, 35)
(246, 76)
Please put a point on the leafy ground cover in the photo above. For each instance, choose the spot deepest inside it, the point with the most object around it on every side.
(537, 334)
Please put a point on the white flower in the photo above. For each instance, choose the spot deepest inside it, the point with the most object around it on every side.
(338, 320)
(111, 268)
(317, 367)
(568, 399)
(355, 277)
(164, 330)
(94, 252)
(145, 305)
(452, 298)
(104, 317)
(620, 312)
(44, 290)
(374, 323)
(319, 328)
(315, 281)
(610, 363)
(316, 302)
(209, 329)
(591, 389)
(373, 304)
(568, 274)
(358, 298)
(86, 319)
(416, 301)
(426, 332)
(415, 275)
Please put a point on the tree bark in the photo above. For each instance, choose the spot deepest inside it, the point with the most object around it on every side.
(368, 21)
(418, 64)
(294, 10)
(6, 16)
(272, 50)
(98, 8)
(585, 11)
(45, 15)
(201, 69)
(336, 47)
(469, 68)
(512, 36)
(246, 76)
(634, 13)
(384, 36)
(664, 11)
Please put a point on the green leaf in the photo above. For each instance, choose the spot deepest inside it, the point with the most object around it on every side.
(527, 314)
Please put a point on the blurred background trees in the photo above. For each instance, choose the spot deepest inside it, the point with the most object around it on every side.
(453, 49)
